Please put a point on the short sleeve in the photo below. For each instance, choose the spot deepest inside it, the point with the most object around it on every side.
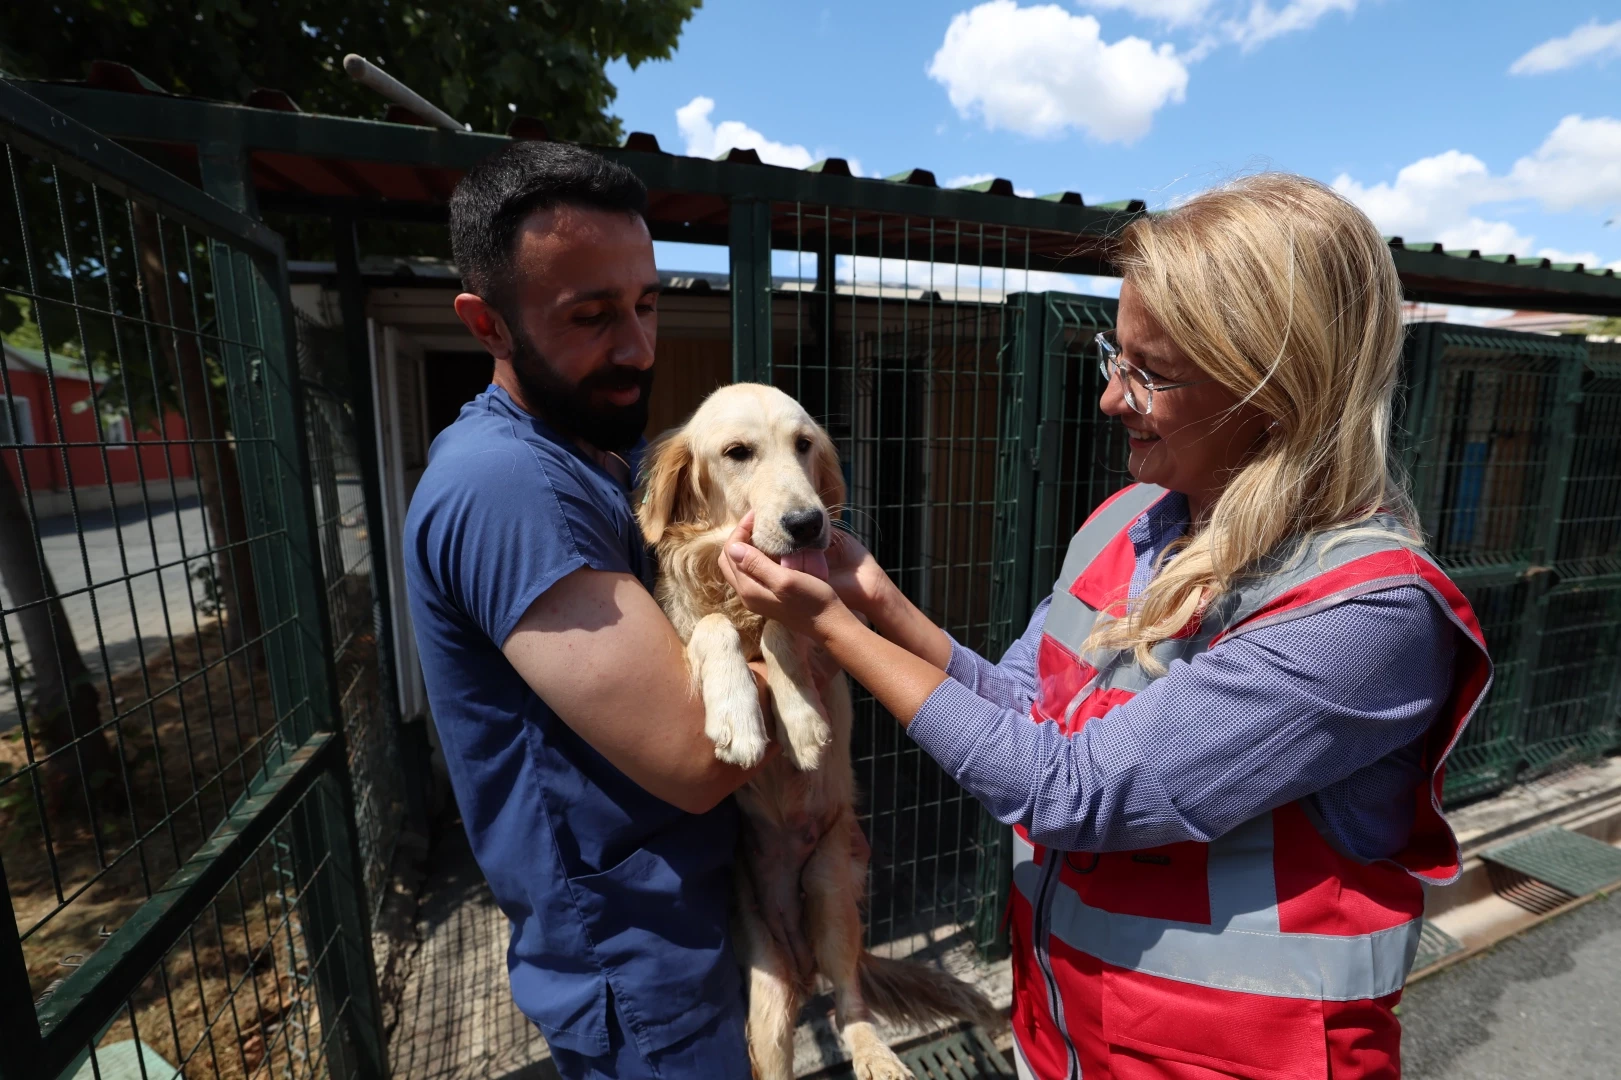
(502, 521)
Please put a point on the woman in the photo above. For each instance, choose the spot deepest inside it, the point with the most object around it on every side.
(1243, 685)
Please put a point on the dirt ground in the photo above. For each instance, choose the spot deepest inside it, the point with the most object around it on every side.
(233, 998)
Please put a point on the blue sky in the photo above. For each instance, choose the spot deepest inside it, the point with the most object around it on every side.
(1480, 124)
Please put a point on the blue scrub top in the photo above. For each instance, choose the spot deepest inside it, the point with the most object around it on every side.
(608, 887)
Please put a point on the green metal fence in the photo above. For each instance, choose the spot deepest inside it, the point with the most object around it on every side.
(182, 880)
(893, 332)
(370, 718)
(1512, 442)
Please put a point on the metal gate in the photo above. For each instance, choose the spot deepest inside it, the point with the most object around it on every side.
(1512, 446)
(182, 881)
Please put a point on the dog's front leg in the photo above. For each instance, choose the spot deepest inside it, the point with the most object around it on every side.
(732, 718)
(793, 690)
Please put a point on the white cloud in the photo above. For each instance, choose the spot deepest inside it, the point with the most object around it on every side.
(1041, 70)
(1169, 12)
(1432, 200)
(1579, 164)
(966, 281)
(1439, 198)
(1594, 41)
(1586, 258)
(707, 139)
(1263, 22)
(980, 178)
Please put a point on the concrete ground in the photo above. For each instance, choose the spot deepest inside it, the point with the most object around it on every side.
(456, 1019)
(1542, 1005)
(158, 551)
(125, 598)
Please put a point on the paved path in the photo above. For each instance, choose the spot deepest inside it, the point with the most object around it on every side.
(131, 591)
(1546, 1004)
(159, 550)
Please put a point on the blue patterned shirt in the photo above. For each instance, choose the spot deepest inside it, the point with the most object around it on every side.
(1331, 708)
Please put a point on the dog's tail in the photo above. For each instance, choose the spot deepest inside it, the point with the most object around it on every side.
(906, 992)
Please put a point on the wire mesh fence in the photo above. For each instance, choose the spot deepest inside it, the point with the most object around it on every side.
(1515, 476)
(246, 989)
(369, 725)
(903, 356)
(164, 706)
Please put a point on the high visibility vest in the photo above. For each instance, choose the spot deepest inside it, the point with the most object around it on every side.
(1267, 952)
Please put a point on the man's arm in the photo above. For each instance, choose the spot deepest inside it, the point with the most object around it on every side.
(600, 653)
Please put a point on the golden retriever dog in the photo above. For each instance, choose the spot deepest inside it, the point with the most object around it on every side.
(803, 859)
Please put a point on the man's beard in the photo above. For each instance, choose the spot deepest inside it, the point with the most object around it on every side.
(569, 407)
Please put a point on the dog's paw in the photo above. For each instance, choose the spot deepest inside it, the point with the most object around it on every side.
(876, 1061)
(806, 733)
(738, 732)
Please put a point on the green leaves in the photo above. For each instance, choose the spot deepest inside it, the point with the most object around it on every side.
(473, 58)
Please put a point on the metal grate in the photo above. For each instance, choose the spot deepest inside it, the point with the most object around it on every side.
(1434, 945)
(967, 1054)
(1569, 861)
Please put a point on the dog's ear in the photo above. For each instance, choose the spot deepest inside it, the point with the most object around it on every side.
(669, 494)
(829, 477)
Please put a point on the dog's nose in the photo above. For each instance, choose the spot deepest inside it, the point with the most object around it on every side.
(805, 526)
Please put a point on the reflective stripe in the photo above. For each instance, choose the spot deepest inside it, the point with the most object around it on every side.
(1021, 1064)
(1026, 874)
(1311, 966)
(1089, 542)
(1242, 950)
(1069, 621)
(1243, 884)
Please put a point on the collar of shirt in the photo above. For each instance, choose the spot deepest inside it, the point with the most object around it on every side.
(622, 469)
(1160, 526)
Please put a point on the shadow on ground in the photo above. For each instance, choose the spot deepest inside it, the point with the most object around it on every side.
(1541, 1005)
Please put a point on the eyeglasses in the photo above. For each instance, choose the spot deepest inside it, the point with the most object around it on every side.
(1139, 388)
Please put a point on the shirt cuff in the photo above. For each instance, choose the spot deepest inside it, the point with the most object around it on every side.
(950, 724)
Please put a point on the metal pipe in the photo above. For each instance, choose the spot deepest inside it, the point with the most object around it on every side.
(366, 73)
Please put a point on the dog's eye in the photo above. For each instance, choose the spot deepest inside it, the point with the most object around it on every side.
(803, 445)
(739, 452)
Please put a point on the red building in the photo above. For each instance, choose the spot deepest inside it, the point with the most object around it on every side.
(37, 424)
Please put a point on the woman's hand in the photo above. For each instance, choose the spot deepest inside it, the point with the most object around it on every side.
(792, 597)
(856, 576)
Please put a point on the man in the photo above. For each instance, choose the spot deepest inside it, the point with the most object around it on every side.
(594, 803)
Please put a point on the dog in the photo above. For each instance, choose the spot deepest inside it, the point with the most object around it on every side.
(752, 447)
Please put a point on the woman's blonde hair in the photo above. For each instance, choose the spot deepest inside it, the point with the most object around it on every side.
(1286, 294)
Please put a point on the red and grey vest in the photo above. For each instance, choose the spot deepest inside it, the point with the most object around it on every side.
(1267, 952)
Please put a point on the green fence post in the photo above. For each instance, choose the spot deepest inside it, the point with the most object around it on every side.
(410, 734)
(268, 424)
(1567, 403)
(750, 253)
(19, 1026)
(1016, 477)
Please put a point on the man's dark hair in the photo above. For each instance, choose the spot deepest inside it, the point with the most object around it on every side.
(500, 192)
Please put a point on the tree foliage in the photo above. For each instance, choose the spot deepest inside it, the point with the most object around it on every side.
(480, 60)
